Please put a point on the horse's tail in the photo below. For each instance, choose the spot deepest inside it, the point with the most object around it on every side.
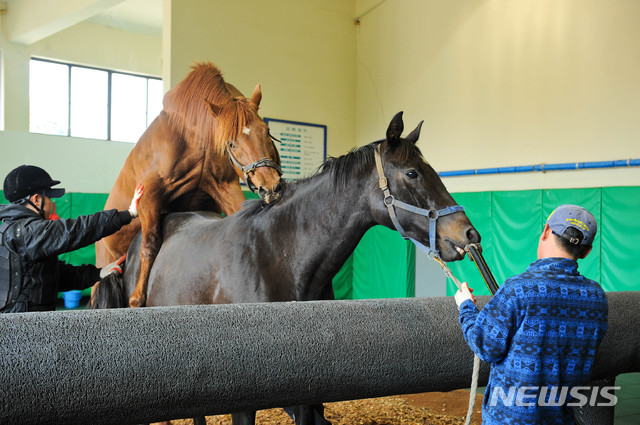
(109, 292)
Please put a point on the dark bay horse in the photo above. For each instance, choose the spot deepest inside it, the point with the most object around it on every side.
(309, 233)
(190, 158)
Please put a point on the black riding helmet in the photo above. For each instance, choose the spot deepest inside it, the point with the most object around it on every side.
(27, 180)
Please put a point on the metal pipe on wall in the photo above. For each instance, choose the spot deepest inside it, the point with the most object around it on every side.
(542, 168)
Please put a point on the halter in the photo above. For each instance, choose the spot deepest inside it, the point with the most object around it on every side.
(250, 168)
(390, 202)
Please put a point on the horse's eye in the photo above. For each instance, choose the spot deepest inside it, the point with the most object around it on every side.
(412, 174)
(231, 145)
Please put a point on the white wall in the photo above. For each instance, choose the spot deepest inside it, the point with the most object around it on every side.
(501, 83)
(301, 52)
(83, 165)
(497, 82)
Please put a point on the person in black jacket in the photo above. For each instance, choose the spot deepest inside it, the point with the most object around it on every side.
(30, 273)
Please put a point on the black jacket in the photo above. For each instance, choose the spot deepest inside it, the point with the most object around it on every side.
(38, 243)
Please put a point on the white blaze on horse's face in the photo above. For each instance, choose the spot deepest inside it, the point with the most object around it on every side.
(246, 130)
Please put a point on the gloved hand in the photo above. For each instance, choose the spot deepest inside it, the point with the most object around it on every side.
(133, 208)
(115, 267)
(463, 294)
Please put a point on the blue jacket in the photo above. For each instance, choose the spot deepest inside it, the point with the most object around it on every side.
(540, 333)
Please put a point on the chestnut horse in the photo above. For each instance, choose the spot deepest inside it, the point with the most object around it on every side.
(190, 158)
(313, 227)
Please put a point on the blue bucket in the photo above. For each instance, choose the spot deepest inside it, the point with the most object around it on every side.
(72, 298)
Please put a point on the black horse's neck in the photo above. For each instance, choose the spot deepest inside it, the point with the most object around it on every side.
(320, 220)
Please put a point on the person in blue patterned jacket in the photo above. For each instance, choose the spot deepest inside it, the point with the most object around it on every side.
(541, 330)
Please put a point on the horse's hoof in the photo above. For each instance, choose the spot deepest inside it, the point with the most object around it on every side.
(136, 302)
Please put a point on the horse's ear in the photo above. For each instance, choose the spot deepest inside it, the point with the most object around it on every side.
(395, 128)
(215, 109)
(415, 134)
(256, 97)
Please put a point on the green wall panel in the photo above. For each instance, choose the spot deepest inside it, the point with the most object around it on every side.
(620, 231)
(516, 226)
(72, 205)
(516, 219)
(343, 281)
(510, 222)
(477, 206)
(381, 266)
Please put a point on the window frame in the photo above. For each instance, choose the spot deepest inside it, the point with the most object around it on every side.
(110, 73)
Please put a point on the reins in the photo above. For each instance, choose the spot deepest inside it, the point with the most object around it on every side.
(250, 168)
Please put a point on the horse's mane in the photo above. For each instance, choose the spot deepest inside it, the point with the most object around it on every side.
(187, 110)
(356, 161)
(339, 169)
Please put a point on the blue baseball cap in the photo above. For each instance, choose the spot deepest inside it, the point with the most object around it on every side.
(575, 216)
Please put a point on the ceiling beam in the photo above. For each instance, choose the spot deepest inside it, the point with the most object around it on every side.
(29, 21)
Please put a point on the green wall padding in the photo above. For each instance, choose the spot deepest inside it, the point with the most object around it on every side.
(73, 205)
(343, 281)
(620, 233)
(475, 206)
(510, 224)
(382, 266)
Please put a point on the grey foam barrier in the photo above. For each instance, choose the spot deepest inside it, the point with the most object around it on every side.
(126, 366)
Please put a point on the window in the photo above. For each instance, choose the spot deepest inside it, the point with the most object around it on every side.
(79, 101)
(1, 90)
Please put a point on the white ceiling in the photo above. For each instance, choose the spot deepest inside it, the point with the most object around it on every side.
(144, 16)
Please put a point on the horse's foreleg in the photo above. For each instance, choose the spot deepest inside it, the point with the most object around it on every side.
(149, 247)
(114, 246)
(243, 418)
(148, 251)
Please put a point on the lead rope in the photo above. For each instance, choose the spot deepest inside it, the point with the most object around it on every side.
(475, 255)
(476, 360)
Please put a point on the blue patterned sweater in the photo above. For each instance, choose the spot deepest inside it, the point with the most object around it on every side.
(541, 329)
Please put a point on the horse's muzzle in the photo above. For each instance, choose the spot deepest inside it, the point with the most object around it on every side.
(270, 195)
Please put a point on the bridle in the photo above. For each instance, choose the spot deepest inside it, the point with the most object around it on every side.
(250, 168)
(390, 202)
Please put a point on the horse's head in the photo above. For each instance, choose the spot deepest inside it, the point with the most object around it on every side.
(416, 203)
(251, 149)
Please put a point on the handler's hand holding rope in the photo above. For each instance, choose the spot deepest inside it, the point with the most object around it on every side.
(465, 293)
